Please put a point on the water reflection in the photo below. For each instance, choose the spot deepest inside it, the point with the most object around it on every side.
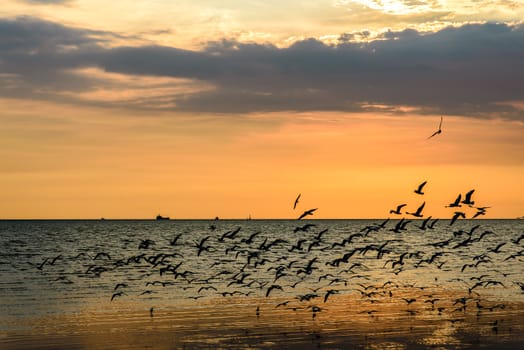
(348, 283)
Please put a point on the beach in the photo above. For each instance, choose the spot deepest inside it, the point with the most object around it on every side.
(260, 284)
(343, 323)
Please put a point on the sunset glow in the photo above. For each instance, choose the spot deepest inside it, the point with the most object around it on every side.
(194, 110)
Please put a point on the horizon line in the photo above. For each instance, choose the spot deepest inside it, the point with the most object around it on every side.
(240, 219)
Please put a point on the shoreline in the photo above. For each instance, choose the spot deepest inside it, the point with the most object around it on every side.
(255, 323)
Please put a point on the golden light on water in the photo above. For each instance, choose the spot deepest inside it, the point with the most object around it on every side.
(228, 112)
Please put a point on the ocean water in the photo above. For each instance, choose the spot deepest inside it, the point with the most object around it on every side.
(237, 274)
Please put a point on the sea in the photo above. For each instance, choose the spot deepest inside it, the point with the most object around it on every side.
(384, 283)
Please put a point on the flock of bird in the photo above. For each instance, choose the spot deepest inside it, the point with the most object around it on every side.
(309, 266)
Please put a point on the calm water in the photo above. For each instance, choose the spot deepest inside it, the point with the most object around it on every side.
(270, 273)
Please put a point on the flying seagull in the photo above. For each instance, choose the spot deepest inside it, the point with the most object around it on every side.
(306, 213)
(467, 199)
(439, 129)
(418, 213)
(420, 187)
(397, 211)
(296, 201)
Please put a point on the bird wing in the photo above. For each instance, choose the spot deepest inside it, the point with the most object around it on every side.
(435, 133)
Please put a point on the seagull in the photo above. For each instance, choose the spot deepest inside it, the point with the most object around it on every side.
(410, 300)
(456, 203)
(467, 199)
(306, 213)
(274, 286)
(397, 211)
(420, 187)
(418, 213)
(296, 201)
(117, 294)
(497, 248)
(40, 266)
(456, 216)
(480, 211)
(439, 129)
(424, 223)
(330, 292)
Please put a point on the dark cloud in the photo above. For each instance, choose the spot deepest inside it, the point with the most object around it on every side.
(469, 70)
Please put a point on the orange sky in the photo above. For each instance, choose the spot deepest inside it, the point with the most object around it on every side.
(62, 162)
(194, 110)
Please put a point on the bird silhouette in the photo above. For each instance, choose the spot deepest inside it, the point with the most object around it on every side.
(397, 211)
(306, 213)
(200, 245)
(432, 223)
(497, 248)
(517, 241)
(467, 199)
(296, 201)
(328, 293)
(117, 294)
(480, 211)
(274, 286)
(174, 241)
(456, 203)
(424, 224)
(420, 187)
(418, 213)
(249, 240)
(458, 214)
(401, 225)
(41, 265)
(439, 129)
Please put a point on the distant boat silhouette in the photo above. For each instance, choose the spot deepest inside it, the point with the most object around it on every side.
(160, 217)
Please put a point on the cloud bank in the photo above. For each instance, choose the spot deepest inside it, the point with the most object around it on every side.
(473, 70)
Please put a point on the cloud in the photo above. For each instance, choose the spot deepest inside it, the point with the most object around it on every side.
(473, 70)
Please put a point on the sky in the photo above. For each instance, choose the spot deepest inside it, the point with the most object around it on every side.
(198, 109)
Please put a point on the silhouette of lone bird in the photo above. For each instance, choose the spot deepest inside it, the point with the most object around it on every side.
(420, 187)
(418, 213)
(306, 213)
(467, 199)
(397, 211)
(456, 203)
(296, 201)
(439, 129)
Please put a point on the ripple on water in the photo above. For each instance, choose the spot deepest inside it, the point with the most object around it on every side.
(69, 302)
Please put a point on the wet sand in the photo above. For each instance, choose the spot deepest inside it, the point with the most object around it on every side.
(107, 290)
(343, 322)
